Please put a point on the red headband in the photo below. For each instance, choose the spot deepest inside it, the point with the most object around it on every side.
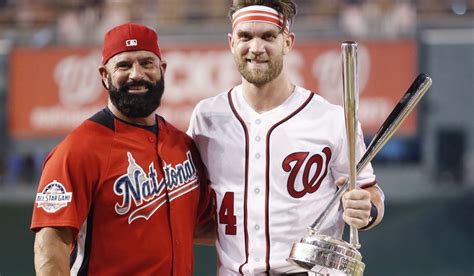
(258, 13)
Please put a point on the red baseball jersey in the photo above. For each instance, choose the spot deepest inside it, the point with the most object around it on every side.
(132, 196)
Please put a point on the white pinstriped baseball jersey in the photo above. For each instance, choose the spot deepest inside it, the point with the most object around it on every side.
(272, 173)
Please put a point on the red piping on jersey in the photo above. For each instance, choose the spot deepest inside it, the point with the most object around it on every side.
(159, 144)
(267, 178)
(232, 107)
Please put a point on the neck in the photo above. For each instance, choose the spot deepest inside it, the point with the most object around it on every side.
(268, 96)
(145, 121)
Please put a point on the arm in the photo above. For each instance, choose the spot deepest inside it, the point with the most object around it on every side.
(206, 234)
(52, 249)
(206, 231)
(357, 205)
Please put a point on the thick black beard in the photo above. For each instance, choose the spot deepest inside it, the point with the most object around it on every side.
(139, 105)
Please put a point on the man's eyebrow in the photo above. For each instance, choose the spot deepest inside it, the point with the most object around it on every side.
(149, 58)
(243, 33)
(140, 59)
(270, 32)
(122, 62)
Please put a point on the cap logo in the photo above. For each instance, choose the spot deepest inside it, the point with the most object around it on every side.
(131, 42)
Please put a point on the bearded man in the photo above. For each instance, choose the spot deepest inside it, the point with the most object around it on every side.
(124, 193)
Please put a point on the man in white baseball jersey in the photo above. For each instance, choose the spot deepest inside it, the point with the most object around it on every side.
(274, 151)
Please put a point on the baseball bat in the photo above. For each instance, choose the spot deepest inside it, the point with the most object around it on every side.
(415, 92)
(351, 93)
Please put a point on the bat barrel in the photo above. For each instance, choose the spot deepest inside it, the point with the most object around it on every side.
(406, 104)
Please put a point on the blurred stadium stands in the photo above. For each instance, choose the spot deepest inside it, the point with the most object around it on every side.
(428, 176)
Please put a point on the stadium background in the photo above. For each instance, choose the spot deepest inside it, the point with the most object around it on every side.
(49, 50)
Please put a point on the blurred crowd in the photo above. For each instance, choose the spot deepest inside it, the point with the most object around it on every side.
(76, 22)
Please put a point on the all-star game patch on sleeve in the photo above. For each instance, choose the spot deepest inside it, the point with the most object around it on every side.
(65, 189)
(53, 197)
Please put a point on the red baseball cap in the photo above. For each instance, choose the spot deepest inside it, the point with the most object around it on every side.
(129, 37)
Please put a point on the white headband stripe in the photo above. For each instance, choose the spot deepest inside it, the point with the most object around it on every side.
(250, 13)
(258, 18)
(270, 14)
(251, 16)
(263, 20)
(259, 14)
(261, 8)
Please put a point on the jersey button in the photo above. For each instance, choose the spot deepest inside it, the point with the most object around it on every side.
(257, 138)
(257, 190)
(257, 155)
(258, 121)
(257, 260)
(257, 227)
(151, 139)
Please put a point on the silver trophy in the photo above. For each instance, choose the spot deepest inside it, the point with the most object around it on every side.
(315, 250)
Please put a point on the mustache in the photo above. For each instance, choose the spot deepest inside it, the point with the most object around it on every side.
(129, 84)
(253, 56)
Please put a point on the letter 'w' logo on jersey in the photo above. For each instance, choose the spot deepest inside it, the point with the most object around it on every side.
(143, 194)
(315, 170)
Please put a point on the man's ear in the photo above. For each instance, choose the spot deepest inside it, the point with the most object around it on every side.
(163, 65)
(289, 42)
(104, 74)
(230, 40)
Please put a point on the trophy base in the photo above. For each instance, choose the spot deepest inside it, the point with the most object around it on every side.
(317, 250)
